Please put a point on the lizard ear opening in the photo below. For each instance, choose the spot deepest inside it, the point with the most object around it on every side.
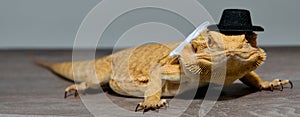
(199, 43)
(251, 38)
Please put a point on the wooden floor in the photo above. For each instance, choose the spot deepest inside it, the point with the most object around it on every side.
(26, 89)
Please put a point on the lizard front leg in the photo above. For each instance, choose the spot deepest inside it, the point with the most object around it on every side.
(152, 102)
(152, 95)
(253, 80)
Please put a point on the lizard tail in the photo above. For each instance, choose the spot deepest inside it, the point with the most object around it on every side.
(44, 64)
(62, 69)
(82, 69)
(41, 63)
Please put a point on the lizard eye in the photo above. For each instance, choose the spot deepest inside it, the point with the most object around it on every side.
(210, 42)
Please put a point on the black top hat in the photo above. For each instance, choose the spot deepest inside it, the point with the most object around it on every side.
(235, 20)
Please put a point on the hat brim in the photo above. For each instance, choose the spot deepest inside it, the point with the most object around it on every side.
(234, 28)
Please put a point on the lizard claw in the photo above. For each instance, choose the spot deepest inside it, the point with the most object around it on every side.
(272, 87)
(137, 107)
(145, 109)
(291, 84)
(76, 93)
(281, 86)
(66, 94)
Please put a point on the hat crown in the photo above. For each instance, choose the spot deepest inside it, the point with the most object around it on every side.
(235, 20)
(236, 17)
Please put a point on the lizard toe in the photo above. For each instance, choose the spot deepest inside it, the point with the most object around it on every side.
(146, 106)
(69, 89)
(68, 93)
(275, 84)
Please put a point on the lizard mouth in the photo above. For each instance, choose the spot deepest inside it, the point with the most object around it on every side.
(240, 55)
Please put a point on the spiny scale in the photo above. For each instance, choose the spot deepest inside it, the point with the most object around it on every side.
(195, 69)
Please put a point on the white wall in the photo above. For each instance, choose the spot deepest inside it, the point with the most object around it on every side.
(54, 23)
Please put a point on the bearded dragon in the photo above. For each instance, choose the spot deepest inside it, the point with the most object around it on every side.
(148, 71)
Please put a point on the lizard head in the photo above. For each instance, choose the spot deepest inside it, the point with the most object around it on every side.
(238, 50)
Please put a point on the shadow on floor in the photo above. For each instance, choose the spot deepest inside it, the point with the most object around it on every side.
(230, 92)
